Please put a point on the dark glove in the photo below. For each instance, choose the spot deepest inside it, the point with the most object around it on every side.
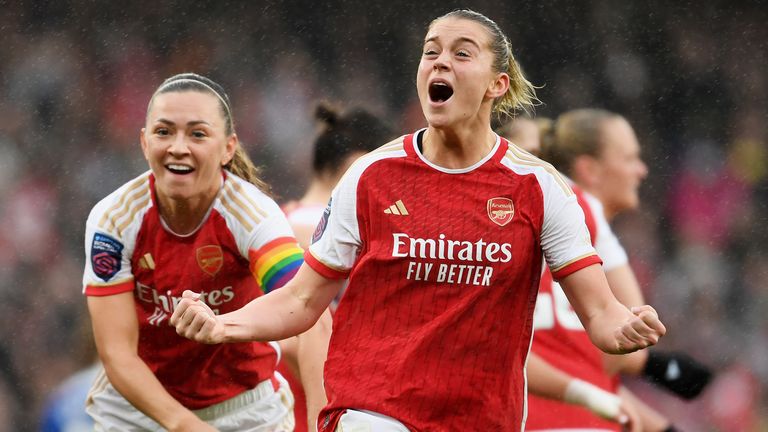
(677, 372)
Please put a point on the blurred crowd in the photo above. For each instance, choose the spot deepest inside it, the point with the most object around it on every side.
(76, 76)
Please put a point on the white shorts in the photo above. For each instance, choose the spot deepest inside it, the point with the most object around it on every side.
(261, 409)
(368, 421)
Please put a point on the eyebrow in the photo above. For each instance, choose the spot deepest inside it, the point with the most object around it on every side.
(460, 40)
(189, 123)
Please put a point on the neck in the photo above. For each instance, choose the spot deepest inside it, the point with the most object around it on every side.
(609, 212)
(458, 148)
(183, 216)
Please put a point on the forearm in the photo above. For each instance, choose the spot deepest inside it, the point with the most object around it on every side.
(545, 380)
(285, 312)
(312, 352)
(604, 327)
(275, 316)
(611, 326)
(135, 381)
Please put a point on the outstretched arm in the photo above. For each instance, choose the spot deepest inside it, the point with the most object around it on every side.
(116, 332)
(285, 312)
(611, 326)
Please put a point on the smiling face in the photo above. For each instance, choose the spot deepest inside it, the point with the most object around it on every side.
(455, 79)
(186, 144)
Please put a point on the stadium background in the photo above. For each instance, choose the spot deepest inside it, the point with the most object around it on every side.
(691, 77)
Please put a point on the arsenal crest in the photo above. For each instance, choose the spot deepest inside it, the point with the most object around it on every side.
(501, 210)
(210, 259)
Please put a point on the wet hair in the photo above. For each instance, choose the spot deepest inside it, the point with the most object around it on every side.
(342, 134)
(521, 94)
(574, 133)
(241, 164)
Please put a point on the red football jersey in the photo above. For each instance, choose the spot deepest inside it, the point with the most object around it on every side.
(443, 267)
(561, 340)
(243, 246)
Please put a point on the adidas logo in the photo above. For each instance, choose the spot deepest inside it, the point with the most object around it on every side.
(398, 208)
(146, 262)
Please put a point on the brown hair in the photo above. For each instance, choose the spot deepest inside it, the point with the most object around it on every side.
(521, 94)
(241, 164)
(575, 133)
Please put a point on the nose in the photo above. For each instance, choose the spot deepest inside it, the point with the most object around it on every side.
(442, 62)
(178, 146)
(642, 169)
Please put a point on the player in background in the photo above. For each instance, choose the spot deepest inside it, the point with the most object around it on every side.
(561, 396)
(200, 219)
(609, 139)
(342, 137)
(441, 234)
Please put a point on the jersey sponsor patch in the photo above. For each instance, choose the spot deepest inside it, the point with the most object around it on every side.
(320, 229)
(106, 256)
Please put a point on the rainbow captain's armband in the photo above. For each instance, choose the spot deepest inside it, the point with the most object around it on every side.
(276, 262)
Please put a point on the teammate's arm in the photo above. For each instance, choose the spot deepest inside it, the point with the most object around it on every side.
(312, 350)
(610, 325)
(282, 313)
(303, 234)
(652, 420)
(116, 332)
(547, 381)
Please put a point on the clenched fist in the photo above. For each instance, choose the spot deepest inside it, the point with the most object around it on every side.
(641, 331)
(194, 320)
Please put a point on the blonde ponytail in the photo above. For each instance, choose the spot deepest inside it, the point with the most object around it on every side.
(521, 94)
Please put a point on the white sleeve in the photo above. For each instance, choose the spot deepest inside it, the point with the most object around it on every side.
(274, 226)
(607, 244)
(565, 238)
(107, 255)
(254, 218)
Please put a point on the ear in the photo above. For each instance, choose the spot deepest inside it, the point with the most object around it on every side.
(586, 171)
(144, 145)
(229, 149)
(498, 87)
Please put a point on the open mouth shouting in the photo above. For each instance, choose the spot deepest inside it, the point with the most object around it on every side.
(179, 169)
(440, 92)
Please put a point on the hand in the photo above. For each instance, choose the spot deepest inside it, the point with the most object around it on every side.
(628, 417)
(194, 320)
(192, 424)
(640, 331)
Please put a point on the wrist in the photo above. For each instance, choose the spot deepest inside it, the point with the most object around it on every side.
(183, 422)
(597, 400)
